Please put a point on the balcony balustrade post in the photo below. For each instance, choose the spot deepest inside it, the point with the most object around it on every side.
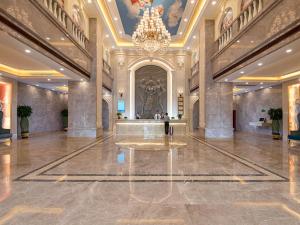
(260, 5)
(254, 8)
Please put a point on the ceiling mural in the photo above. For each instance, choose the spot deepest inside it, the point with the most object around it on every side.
(132, 10)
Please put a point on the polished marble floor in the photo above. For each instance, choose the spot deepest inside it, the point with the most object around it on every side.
(51, 179)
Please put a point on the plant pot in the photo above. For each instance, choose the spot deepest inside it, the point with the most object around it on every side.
(275, 130)
(65, 122)
(24, 124)
(276, 136)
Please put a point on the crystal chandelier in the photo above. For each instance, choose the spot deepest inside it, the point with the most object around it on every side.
(151, 34)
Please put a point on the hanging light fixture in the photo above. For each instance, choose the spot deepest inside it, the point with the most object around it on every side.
(151, 34)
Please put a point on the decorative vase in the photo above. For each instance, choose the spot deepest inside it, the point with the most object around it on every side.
(24, 124)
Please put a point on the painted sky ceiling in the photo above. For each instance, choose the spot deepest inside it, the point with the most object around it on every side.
(132, 10)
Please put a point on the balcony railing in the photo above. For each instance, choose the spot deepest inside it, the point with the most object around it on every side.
(107, 78)
(255, 33)
(44, 25)
(194, 78)
(245, 18)
(59, 13)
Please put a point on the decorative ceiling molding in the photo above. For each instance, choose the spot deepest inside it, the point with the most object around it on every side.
(179, 43)
(30, 73)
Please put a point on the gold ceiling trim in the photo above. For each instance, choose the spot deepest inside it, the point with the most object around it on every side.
(274, 78)
(180, 43)
(29, 73)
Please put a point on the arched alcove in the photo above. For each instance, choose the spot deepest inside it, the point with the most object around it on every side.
(226, 19)
(196, 115)
(133, 67)
(150, 91)
(105, 115)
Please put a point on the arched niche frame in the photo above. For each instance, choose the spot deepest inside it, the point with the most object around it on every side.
(133, 67)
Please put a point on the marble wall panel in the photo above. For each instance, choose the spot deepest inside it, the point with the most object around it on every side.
(46, 107)
(249, 108)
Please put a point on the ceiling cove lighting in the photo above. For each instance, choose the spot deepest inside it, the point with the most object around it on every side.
(151, 34)
(122, 42)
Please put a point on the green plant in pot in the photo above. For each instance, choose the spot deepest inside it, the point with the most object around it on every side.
(64, 115)
(119, 115)
(276, 117)
(24, 112)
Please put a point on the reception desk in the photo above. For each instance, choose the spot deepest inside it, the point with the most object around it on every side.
(149, 127)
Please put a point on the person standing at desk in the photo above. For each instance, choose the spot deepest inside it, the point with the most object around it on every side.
(167, 123)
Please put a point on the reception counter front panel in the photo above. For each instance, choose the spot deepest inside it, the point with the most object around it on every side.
(149, 127)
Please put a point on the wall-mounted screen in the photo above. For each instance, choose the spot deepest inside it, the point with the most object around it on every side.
(121, 106)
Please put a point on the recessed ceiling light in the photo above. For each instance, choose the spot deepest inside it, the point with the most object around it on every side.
(81, 79)
(260, 64)
(247, 82)
(180, 33)
(261, 87)
(192, 1)
(62, 38)
(37, 85)
(113, 47)
(238, 41)
(242, 72)
(49, 79)
(289, 50)
(226, 80)
(120, 32)
(107, 35)
(27, 51)
(47, 38)
(261, 83)
(188, 48)
(214, 2)
(1, 74)
(270, 87)
(194, 36)
(61, 69)
(115, 18)
(89, 1)
(65, 85)
(252, 42)
(52, 89)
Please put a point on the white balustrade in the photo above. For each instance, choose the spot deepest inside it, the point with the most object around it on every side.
(250, 12)
(59, 13)
(253, 9)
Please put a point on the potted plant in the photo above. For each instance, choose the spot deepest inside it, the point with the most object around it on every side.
(64, 115)
(276, 117)
(119, 115)
(24, 112)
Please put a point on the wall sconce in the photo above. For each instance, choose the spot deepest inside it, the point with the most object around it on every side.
(180, 92)
(121, 94)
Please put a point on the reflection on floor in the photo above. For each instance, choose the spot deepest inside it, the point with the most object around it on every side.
(53, 179)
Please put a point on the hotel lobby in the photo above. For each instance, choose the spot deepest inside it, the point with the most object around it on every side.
(174, 112)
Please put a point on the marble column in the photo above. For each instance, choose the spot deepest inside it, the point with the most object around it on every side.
(216, 99)
(85, 98)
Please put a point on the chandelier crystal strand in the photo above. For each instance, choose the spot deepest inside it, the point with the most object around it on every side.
(151, 34)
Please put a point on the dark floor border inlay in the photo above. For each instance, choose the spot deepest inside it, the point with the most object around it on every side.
(39, 174)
